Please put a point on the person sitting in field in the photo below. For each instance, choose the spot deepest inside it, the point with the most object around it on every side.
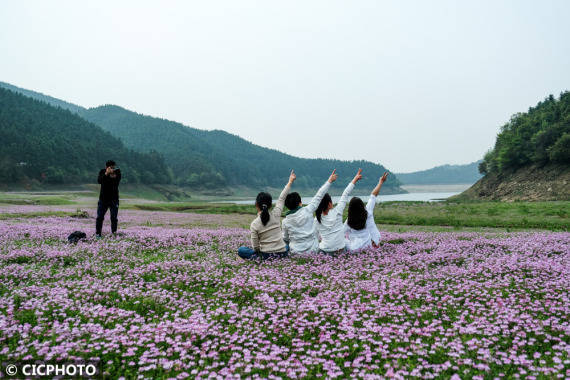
(360, 229)
(299, 226)
(266, 238)
(329, 220)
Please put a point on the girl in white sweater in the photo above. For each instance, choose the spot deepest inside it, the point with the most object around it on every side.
(299, 225)
(360, 229)
(329, 220)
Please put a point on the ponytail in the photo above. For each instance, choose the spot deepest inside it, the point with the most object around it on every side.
(323, 206)
(263, 201)
(264, 214)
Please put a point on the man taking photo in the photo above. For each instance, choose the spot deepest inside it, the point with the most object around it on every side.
(109, 179)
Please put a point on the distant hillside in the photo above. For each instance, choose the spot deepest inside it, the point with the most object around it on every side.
(216, 159)
(531, 156)
(444, 174)
(198, 156)
(52, 145)
(44, 98)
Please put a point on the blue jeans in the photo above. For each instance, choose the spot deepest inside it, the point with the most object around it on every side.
(102, 207)
(250, 254)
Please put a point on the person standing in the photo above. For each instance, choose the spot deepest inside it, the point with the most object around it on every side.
(109, 179)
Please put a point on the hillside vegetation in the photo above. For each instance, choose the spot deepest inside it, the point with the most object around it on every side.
(52, 145)
(216, 159)
(531, 156)
(540, 136)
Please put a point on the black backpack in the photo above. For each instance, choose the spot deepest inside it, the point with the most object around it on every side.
(75, 236)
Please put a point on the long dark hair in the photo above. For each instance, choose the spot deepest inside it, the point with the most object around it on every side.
(357, 214)
(263, 201)
(323, 206)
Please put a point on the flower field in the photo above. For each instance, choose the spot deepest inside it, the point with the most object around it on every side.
(170, 298)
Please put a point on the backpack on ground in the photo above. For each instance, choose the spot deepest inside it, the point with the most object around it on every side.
(75, 236)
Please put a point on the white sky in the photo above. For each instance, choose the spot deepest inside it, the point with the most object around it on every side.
(409, 84)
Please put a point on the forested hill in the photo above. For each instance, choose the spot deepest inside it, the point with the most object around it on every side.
(531, 156)
(444, 174)
(540, 136)
(53, 145)
(215, 159)
(44, 98)
(200, 157)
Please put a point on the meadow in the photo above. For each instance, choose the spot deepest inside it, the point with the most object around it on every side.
(455, 213)
(515, 215)
(169, 298)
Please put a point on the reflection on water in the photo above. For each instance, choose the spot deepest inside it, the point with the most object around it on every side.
(425, 197)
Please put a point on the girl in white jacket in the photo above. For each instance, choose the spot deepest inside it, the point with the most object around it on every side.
(360, 229)
(299, 226)
(329, 220)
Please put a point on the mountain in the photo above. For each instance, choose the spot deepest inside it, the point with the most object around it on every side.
(53, 145)
(218, 158)
(444, 174)
(44, 98)
(214, 159)
(531, 156)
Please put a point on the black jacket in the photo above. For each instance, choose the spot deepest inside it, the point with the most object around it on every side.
(109, 186)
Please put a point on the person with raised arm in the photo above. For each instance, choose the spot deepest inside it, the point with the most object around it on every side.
(360, 229)
(299, 225)
(329, 219)
(266, 238)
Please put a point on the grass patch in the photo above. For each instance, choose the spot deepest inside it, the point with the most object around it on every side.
(524, 215)
(43, 214)
(514, 215)
(35, 200)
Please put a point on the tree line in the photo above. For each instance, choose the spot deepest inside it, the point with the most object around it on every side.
(149, 149)
(202, 158)
(540, 136)
(55, 146)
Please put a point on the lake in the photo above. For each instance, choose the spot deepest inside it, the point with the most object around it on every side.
(423, 193)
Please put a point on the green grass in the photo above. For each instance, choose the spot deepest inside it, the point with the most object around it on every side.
(43, 200)
(525, 215)
(397, 216)
(513, 215)
(43, 214)
(196, 207)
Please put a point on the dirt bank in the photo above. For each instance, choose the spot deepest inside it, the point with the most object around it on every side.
(531, 183)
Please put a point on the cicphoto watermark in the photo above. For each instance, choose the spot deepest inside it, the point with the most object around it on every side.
(37, 369)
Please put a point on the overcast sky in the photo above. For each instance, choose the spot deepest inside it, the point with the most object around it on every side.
(408, 84)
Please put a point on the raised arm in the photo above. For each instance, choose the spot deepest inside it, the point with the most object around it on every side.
(372, 200)
(281, 201)
(376, 190)
(344, 197)
(312, 206)
(371, 204)
(118, 176)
